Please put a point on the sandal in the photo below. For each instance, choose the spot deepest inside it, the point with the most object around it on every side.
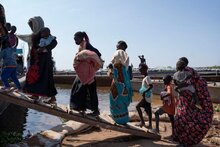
(52, 101)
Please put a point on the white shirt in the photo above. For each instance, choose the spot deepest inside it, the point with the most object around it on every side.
(146, 82)
(120, 56)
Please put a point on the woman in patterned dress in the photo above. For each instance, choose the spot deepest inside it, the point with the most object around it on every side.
(191, 123)
(121, 91)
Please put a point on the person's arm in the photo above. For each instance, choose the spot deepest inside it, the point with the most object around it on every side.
(149, 85)
(52, 45)
(25, 38)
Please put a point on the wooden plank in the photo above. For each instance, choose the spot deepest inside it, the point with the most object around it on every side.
(22, 100)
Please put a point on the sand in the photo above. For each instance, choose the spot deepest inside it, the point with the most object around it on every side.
(98, 137)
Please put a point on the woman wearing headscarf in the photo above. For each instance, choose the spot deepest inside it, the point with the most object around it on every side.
(37, 24)
(191, 123)
(39, 77)
(121, 91)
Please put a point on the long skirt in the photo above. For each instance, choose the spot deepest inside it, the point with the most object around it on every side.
(79, 98)
(120, 95)
(191, 123)
(44, 84)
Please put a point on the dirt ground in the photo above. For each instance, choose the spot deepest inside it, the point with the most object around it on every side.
(108, 138)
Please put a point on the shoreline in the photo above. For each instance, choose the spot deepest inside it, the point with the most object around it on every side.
(73, 133)
(108, 138)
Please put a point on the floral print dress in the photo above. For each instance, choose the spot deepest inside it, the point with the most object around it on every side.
(191, 123)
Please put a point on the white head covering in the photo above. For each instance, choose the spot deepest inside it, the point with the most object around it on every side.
(37, 24)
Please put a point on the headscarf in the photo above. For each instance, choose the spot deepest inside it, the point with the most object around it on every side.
(37, 25)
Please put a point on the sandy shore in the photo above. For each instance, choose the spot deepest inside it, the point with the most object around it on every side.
(107, 138)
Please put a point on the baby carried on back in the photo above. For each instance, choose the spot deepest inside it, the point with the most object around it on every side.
(182, 83)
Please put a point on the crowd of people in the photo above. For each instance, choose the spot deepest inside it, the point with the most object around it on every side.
(190, 113)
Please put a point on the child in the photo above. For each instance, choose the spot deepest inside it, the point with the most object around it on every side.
(45, 40)
(145, 90)
(168, 107)
(8, 55)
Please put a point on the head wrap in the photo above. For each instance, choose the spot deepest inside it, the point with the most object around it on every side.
(37, 23)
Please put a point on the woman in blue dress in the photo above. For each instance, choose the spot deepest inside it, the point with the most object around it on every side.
(121, 91)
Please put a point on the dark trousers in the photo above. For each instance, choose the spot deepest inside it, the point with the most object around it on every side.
(92, 89)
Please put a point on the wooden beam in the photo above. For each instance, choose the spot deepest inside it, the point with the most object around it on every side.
(14, 98)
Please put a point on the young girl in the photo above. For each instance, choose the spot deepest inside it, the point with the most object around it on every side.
(145, 90)
(168, 107)
(8, 54)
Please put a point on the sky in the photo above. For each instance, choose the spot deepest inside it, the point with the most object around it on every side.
(161, 30)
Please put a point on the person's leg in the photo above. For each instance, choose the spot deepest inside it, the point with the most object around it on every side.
(94, 97)
(138, 107)
(157, 118)
(149, 113)
(14, 78)
(172, 122)
(4, 76)
(52, 100)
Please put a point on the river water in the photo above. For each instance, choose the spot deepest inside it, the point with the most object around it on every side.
(38, 121)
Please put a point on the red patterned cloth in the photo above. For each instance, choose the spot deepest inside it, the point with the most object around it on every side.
(33, 71)
(191, 123)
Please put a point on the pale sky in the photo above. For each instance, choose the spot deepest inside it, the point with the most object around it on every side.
(161, 30)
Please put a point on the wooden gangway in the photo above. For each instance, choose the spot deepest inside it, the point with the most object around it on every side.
(23, 100)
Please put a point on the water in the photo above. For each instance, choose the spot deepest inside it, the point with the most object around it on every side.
(38, 121)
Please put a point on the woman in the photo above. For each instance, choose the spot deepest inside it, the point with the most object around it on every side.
(192, 123)
(121, 91)
(86, 62)
(36, 23)
(39, 78)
